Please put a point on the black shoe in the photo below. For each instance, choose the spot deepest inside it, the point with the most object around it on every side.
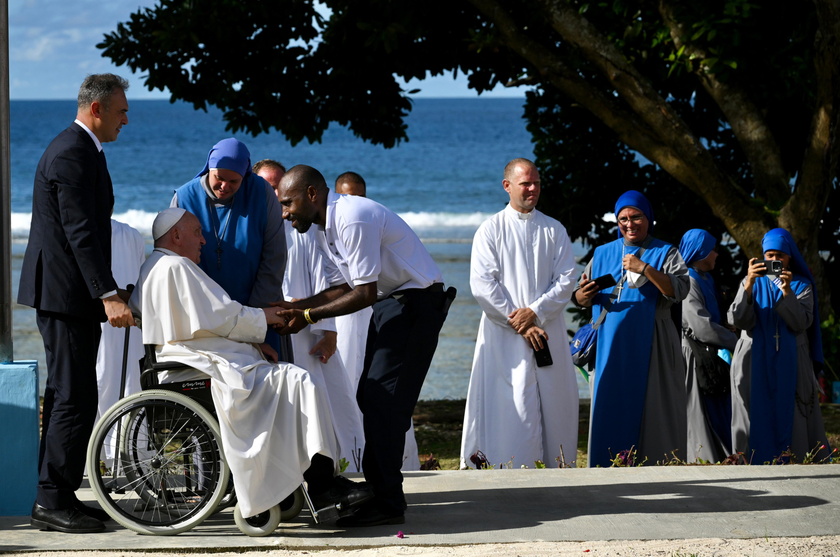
(92, 512)
(70, 521)
(343, 494)
(341, 480)
(370, 515)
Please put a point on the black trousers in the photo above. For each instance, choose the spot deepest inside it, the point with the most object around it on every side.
(401, 342)
(70, 404)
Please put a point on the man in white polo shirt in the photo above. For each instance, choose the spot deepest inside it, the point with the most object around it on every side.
(385, 265)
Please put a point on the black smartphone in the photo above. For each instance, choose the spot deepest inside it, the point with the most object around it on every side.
(773, 266)
(604, 281)
(543, 355)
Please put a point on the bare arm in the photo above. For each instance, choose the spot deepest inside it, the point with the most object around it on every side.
(335, 301)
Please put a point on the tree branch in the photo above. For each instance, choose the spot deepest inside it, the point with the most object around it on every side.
(650, 127)
(819, 166)
(746, 120)
(683, 156)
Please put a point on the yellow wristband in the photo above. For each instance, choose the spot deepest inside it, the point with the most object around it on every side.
(308, 317)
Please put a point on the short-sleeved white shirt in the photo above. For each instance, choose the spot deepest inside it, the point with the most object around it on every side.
(368, 242)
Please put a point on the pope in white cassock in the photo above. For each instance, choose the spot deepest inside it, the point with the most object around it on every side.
(274, 419)
(521, 275)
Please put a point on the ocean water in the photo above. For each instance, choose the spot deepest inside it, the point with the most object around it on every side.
(444, 182)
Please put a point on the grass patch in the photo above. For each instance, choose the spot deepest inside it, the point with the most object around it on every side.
(437, 428)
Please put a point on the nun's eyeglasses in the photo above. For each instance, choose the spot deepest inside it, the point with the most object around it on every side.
(626, 220)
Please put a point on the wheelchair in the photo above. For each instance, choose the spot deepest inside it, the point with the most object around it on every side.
(168, 471)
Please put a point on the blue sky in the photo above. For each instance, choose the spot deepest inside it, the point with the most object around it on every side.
(52, 47)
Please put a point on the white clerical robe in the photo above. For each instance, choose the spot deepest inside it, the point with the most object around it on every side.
(272, 417)
(352, 332)
(516, 410)
(128, 251)
(308, 273)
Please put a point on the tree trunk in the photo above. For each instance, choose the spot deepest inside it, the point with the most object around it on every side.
(644, 121)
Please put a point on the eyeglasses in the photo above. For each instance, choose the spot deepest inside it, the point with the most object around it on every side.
(624, 221)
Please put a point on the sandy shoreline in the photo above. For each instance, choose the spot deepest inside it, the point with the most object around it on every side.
(813, 546)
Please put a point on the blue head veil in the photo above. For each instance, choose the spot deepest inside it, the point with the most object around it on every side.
(633, 198)
(229, 154)
(696, 244)
(780, 239)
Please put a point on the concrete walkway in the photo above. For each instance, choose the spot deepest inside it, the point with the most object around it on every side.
(502, 506)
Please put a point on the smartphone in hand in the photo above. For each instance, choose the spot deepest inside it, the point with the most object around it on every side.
(773, 267)
(604, 281)
(543, 355)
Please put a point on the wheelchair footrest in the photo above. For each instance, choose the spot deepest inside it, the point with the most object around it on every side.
(327, 514)
(330, 513)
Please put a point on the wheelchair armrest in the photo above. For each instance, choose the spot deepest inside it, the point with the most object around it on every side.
(151, 368)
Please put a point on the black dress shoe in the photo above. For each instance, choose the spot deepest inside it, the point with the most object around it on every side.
(343, 494)
(70, 521)
(370, 514)
(92, 512)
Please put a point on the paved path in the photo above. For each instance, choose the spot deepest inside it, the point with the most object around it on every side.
(503, 506)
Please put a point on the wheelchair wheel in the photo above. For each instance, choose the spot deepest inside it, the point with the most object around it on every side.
(258, 525)
(169, 473)
(291, 506)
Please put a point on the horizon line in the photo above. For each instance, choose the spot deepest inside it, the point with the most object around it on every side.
(476, 97)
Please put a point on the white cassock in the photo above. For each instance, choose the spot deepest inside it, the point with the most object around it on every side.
(128, 251)
(352, 332)
(516, 410)
(309, 272)
(272, 417)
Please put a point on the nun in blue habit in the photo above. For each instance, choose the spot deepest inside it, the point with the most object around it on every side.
(242, 223)
(775, 395)
(638, 386)
(709, 414)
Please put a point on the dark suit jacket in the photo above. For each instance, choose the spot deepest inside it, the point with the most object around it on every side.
(67, 265)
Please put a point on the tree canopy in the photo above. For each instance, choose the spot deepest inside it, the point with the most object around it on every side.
(724, 112)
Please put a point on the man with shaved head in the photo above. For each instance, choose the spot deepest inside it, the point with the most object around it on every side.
(384, 265)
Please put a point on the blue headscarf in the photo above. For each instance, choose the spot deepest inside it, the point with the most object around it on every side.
(229, 154)
(780, 239)
(696, 244)
(633, 198)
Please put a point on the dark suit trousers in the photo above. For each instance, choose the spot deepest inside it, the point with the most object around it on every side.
(70, 401)
(401, 342)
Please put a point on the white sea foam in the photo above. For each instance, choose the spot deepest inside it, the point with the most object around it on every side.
(142, 221)
(419, 220)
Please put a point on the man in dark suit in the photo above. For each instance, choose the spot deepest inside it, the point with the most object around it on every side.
(66, 277)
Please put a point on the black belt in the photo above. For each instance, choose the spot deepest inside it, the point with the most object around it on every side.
(435, 287)
(400, 295)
